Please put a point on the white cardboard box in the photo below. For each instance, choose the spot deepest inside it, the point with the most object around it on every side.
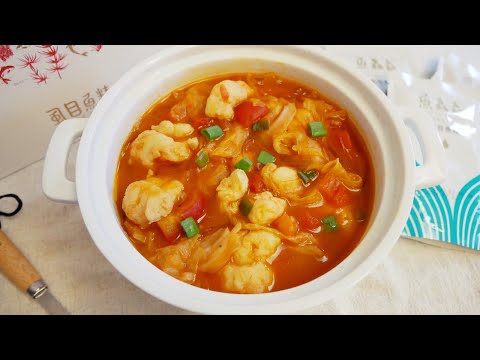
(41, 86)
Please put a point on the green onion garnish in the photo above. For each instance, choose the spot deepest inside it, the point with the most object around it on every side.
(265, 158)
(245, 206)
(330, 223)
(261, 125)
(317, 129)
(212, 132)
(189, 225)
(307, 175)
(202, 159)
(245, 164)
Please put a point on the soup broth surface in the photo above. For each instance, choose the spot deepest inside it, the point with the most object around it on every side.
(244, 183)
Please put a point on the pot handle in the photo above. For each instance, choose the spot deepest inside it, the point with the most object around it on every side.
(55, 184)
(434, 168)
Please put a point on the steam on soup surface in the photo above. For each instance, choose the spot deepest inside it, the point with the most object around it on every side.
(246, 183)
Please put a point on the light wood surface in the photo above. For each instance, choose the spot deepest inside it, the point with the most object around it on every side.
(15, 266)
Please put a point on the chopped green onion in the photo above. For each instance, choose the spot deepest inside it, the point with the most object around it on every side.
(311, 173)
(245, 164)
(317, 129)
(245, 206)
(202, 159)
(261, 125)
(265, 158)
(189, 225)
(304, 177)
(330, 223)
(307, 175)
(212, 132)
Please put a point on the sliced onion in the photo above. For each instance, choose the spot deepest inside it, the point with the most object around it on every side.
(283, 120)
(218, 249)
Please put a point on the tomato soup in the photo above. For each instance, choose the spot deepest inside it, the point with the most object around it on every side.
(245, 183)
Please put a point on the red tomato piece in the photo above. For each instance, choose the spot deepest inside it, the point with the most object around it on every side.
(340, 141)
(200, 122)
(334, 191)
(170, 227)
(328, 185)
(247, 113)
(193, 206)
(342, 196)
(342, 145)
(308, 221)
(256, 183)
(286, 224)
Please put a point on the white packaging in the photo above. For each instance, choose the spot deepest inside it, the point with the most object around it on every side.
(41, 86)
(465, 77)
(449, 212)
(376, 62)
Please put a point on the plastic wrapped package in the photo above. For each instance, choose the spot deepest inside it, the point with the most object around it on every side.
(376, 62)
(465, 77)
(449, 212)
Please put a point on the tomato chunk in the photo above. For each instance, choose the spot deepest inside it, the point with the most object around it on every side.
(342, 145)
(170, 227)
(340, 141)
(193, 206)
(342, 196)
(334, 191)
(255, 182)
(286, 224)
(308, 221)
(247, 113)
(200, 122)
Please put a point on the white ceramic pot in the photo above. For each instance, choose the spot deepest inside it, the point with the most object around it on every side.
(383, 128)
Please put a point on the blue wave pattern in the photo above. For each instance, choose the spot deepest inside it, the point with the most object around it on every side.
(467, 214)
(432, 217)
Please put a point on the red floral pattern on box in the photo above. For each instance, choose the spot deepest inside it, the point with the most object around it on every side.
(42, 62)
(5, 52)
(4, 71)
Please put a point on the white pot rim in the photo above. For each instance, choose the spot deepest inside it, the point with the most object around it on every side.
(109, 237)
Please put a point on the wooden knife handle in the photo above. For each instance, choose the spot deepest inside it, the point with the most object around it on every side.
(15, 265)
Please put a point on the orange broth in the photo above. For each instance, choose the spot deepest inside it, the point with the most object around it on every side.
(290, 267)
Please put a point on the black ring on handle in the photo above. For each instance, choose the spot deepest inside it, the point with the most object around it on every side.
(14, 212)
